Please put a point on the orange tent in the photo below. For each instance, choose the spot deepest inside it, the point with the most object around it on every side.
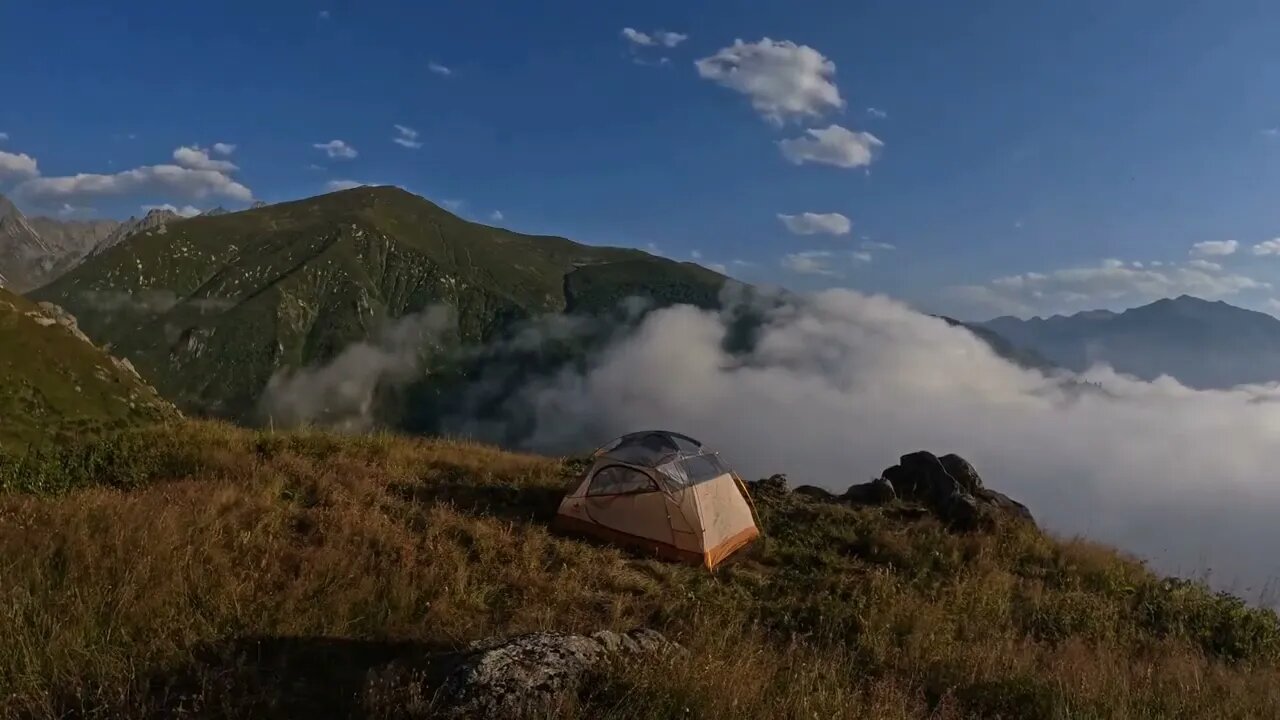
(663, 492)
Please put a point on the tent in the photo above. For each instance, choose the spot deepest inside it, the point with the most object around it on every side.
(662, 492)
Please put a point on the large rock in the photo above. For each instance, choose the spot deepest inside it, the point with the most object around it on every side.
(527, 675)
(962, 472)
(815, 493)
(876, 492)
(952, 489)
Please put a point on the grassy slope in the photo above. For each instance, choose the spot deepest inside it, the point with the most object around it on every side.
(292, 284)
(54, 385)
(254, 575)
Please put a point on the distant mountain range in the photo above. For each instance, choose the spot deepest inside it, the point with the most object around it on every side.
(1201, 343)
(38, 250)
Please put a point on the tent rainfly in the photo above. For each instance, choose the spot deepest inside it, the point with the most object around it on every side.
(662, 492)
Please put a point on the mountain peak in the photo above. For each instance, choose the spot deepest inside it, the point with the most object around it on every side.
(7, 208)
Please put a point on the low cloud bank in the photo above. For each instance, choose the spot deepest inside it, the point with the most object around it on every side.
(342, 393)
(837, 385)
(831, 388)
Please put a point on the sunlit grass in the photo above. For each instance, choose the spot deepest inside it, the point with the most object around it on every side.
(223, 572)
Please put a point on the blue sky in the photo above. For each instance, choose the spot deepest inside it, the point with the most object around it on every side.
(1025, 157)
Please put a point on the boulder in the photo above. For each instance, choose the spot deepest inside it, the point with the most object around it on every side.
(876, 492)
(814, 493)
(525, 676)
(1005, 503)
(962, 472)
(951, 488)
(926, 480)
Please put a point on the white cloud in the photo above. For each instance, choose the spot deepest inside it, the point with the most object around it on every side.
(1201, 264)
(68, 210)
(439, 69)
(174, 180)
(817, 223)
(17, 166)
(718, 267)
(224, 148)
(857, 381)
(4, 136)
(1110, 283)
(197, 158)
(670, 39)
(658, 37)
(1210, 248)
(810, 262)
(1267, 247)
(185, 211)
(637, 38)
(337, 149)
(336, 185)
(496, 216)
(833, 145)
(1273, 306)
(783, 80)
(454, 205)
(695, 254)
(861, 256)
(406, 136)
(324, 15)
(870, 245)
(877, 113)
(1271, 132)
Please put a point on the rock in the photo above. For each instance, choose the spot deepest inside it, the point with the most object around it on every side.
(876, 492)
(527, 675)
(962, 472)
(1006, 504)
(814, 493)
(928, 481)
(951, 488)
(963, 512)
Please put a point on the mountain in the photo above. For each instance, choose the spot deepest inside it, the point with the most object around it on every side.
(212, 307)
(34, 251)
(1001, 346)
(154, 220)
(55, 384)
(1201, 343)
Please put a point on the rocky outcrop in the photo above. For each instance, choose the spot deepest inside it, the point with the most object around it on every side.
(948, 486)
(951, 488)
(876, 492)
(526, 676)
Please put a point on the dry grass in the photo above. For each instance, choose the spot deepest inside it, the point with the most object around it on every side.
(242, 574)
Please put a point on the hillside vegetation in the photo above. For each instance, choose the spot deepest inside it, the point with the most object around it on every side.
(198, 570)
(211, 307)
(55, 385)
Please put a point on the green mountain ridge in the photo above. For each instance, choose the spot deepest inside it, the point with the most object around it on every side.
(210, 308)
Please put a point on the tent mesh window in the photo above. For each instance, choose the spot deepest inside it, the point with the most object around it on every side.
(619, 480)
(689, 471)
